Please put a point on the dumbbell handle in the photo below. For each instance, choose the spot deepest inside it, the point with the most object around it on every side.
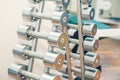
(74, 41)
(29, 75)
(33, 54)
(43, 36)
(37, 34)
(41, 15)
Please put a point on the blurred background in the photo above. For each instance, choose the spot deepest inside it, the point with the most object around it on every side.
(11, 18)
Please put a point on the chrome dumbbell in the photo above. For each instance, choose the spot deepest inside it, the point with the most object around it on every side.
(63, 3)
(90, 58)
(89, 44)
(54, 38)
(54, 60)
(89, 29)
(88, 13)
(16, 71)
(58, 18)
(90, 73)
(86, 1)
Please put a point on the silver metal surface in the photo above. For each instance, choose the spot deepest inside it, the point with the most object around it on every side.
(51, 59)
(18, 71)
(58, 18)
(88, 13)
(18, 50)
(54, 38)
(90, 44)
(88, 29)
(90, 73)
(63, 3)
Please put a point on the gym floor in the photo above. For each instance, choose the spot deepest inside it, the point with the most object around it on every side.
(109, 50)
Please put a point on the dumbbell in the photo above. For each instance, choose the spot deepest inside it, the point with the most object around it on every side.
(16, 71)
(58, 18)
(51, 59)
(86, 1)
(88, 13)
(90, 73)
(89, 29)
(89, 44)
(90, 58)
(64, 3)
(54, 38)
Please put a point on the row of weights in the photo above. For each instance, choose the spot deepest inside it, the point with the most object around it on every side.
(55, 38)
(58, 18)
(65, 3)
(51, 59)
(54, 59)
(18, 71)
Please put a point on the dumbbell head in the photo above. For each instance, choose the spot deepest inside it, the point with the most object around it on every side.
(13, 70)
(95, 58)
(50, 77)
(64, 3)
(35, 1)
(55, 60)
(26, 13)
(60, 18)
(86, 1)
(18, 50)
(90, 44)
(89, 29)
(92, 74)
(88, 13)
(22, 32)
(57, 39)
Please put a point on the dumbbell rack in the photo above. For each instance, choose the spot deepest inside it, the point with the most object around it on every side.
(61, 7)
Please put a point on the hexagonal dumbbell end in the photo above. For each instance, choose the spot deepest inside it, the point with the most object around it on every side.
(63, 3)
(55, 60)
(47, 76)
(35, 1)
(26, 13)
(19, 49)
(13, 71)
(60, 18)
(57, 39)
(89, 29)
(23, 30)
(90, 44)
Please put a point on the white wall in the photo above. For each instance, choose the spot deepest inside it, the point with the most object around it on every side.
(10, 18)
